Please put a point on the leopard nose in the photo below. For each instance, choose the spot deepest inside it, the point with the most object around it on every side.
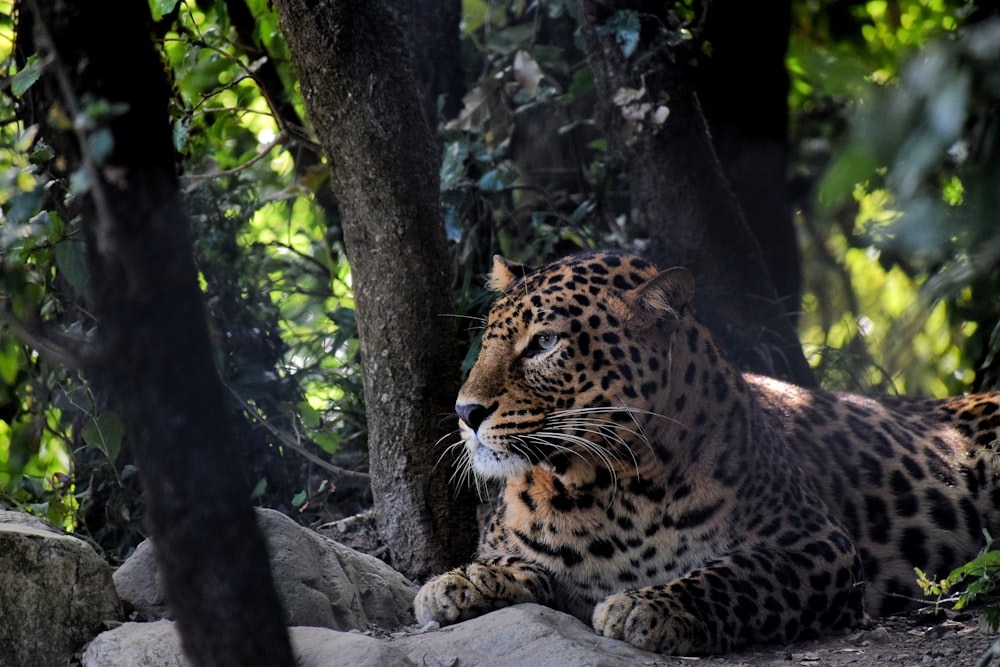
(474, 414)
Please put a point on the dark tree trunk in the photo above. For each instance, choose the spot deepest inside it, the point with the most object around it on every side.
(152, 351)
(680, 197)
(743, 88)
(432, 36)
(361, 97)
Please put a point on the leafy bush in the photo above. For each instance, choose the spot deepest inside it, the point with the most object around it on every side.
(976, 581)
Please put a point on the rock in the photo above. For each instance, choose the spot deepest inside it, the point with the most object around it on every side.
(526, 634)
(137, 581)
(56, 593)
(513, 637)
(320, 582)
(157, 644)
(320, 647)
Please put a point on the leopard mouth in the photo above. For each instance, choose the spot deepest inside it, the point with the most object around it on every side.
(492, 462)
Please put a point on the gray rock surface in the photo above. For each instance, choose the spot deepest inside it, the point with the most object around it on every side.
(320, 582)
(513, 637)
(523, 635)
(157, 644)
(55, 592)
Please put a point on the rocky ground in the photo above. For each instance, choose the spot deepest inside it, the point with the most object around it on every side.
(348, 608)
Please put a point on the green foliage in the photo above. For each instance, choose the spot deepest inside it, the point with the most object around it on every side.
(900, 249)
(976, 581)
(899, 243)
(277, 288)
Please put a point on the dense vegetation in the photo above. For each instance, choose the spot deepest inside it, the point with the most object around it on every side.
(894, 144)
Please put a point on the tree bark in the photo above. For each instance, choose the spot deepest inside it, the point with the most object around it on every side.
(743, 88)
(152, 351)
(361, 97)
(680, 197)
(432, 36)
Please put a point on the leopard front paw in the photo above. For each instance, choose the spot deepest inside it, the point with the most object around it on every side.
(643, 619)
(447, 599)
(479, 587)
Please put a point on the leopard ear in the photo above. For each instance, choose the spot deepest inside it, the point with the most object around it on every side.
(505, 272)
(663, 295)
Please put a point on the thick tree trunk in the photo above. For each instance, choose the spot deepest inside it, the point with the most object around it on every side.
(743, 87)
(432, 36)
(680, 197)
(361, 97)
(153, 353)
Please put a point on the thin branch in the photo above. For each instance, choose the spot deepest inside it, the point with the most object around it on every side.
(295, 446)
(197, 178)
(68, 351)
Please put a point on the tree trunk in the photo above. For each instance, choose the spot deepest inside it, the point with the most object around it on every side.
(680, 198)
(361, 97)
(432, 36)
(152, 351)
(743, 88)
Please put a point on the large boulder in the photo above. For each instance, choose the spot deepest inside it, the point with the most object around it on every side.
(157, 644)
(525, 634)
(56, 593)
(320, 582)
(513, 637)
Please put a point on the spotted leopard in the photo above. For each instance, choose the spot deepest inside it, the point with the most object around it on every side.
(656, 492)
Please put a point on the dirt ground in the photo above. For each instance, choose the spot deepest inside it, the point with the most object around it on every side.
(916, 640)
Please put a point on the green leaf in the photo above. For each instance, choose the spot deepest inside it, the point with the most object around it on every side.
(24, 79)
(105, 433)
(259, 488)
(24, 206)
(328, 441)
(497, 180)
(308, 415)
(855, 165)
(71, 259)
(101, 142)
(10, 361)
(624, 25)
(453, 164)
(160, 8)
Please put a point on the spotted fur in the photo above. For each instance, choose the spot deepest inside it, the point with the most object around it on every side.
(656, 492)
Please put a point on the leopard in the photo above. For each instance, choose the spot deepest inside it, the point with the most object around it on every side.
(649, 487)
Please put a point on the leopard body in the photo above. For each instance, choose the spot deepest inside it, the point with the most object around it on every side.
(653, 490)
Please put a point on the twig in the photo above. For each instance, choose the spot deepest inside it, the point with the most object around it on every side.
(295, 446)
(66, 350)
(195, 178)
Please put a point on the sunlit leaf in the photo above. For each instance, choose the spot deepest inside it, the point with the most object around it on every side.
(160, 8)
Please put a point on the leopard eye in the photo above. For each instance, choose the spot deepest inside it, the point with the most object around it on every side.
(541, 342)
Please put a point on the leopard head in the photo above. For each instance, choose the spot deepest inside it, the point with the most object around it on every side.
(571, 354)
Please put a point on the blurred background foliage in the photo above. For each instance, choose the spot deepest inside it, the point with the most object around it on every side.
(894, 170)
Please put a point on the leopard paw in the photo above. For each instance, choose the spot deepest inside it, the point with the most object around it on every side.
(479, 587)
(447, 599)
(643, 619)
